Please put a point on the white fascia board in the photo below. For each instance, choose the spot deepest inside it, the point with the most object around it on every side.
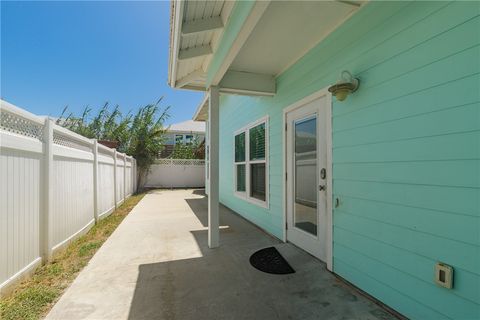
(177, 7)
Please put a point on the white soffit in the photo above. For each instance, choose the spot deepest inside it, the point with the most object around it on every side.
(287, 31)
(202, 24)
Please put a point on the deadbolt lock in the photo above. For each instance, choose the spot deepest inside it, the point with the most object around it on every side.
(323, 173)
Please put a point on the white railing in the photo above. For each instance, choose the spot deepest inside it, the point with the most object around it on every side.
(54, 185)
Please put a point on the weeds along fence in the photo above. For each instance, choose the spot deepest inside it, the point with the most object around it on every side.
(54, 186)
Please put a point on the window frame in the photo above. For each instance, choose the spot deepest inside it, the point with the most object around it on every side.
(178, 135)
(245, 195)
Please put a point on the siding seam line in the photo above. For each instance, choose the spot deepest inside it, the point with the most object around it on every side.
(405, 273)
(409, 116)
(403, 227)
(404, 205)
(406, 139)
(405, 95)
(399, 248)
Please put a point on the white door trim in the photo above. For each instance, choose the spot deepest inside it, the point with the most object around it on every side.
(317, 95)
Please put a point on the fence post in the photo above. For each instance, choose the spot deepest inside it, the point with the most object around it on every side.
(134, 176)
(124, 176)
(45, 230)
(115, 177)
(95, 179)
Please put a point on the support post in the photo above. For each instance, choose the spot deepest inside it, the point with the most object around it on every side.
(95, 180)
(213, 189)
(115, 177)
(45, 229)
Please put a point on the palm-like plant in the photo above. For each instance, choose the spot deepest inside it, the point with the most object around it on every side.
(141, 135)
(147, 137)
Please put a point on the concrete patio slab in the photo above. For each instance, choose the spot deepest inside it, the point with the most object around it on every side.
(157, 265)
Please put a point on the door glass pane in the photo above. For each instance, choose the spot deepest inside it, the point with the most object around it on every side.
(257, 181)
(305, 162)
(240, 177)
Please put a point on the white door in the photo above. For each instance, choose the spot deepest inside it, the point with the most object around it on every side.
(307, 177)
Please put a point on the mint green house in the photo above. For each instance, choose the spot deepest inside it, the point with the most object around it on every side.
(384, 186)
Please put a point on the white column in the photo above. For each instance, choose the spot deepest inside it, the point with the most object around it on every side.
(115, 177)
(213, 197)
(95, 179)
(45, 229)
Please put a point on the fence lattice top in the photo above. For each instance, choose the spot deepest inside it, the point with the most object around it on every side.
(19, 125)
(181, 162)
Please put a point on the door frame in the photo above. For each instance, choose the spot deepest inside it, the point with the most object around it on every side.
(328, 135)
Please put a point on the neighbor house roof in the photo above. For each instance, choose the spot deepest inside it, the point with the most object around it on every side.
(188, 126)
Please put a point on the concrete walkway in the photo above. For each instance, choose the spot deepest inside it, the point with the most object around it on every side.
(157, 265)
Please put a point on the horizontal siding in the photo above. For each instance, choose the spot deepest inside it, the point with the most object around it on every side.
(269, 219)
(406, 152)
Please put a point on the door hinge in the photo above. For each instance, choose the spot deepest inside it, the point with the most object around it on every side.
(286, 225)
(286, 176)
(286, 126)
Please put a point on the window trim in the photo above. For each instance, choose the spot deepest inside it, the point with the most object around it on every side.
(245, 195)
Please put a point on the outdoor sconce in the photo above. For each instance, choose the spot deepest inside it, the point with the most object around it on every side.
(346, 85)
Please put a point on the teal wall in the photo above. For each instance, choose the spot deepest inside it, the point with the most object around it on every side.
(406, 152)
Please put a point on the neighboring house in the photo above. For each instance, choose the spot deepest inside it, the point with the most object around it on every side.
(383, 186)
(184, 132)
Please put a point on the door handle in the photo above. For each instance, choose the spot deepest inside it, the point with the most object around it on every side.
(322, 187)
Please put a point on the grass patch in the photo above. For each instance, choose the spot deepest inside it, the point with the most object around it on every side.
(34, 297)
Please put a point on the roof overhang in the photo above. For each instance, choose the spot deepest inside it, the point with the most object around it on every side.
(201, 114)
(243, 46)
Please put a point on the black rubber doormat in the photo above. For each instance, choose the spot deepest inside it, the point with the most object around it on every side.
(269, 260)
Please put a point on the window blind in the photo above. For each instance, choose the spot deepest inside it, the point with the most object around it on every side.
(257, 142)
(240, 147)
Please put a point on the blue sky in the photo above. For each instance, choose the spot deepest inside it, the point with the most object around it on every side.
(55, 54)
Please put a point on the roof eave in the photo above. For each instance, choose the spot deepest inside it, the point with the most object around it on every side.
(176, 17)
(200, 109)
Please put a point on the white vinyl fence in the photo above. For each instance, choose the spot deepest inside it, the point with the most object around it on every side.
(54, 185)
(176, 173)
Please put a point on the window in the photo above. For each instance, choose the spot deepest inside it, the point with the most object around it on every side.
(240, 185)
(250, 163)
(178, 138)
(189, 138)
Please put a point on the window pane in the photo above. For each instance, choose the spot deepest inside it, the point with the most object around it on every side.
(257, 181)
(241, 177)
(179, 138)
(240, 147)
(257, 142)
(189, 138)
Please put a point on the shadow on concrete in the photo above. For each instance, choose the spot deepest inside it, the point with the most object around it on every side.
(200, 208)
(221, 284)
(199, 192)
